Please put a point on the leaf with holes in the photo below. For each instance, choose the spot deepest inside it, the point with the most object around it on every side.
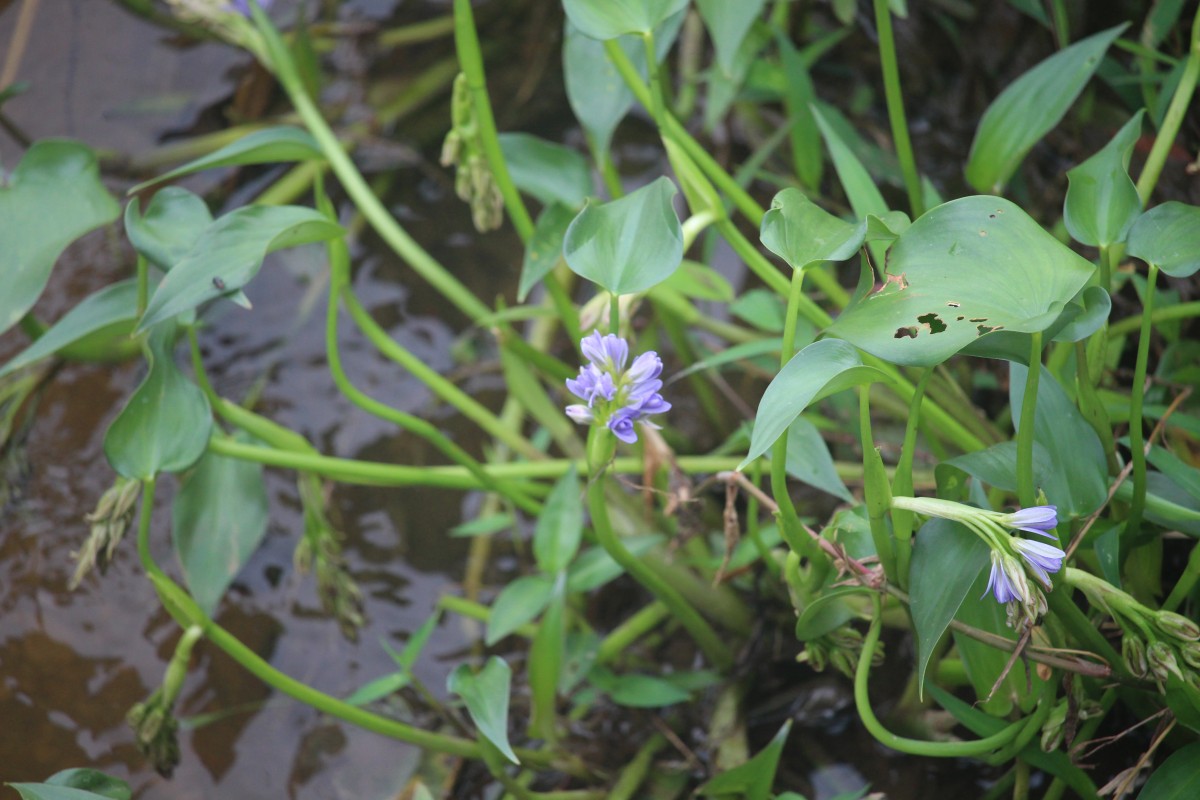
(961, 271)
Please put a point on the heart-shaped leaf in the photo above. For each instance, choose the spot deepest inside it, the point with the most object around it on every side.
(168, 230)
(230, 252)
(947, 558)
(1168, 236)
(630, 244)
(165, 425)
(964, 270)
(1102, 200)
(53, 197)
(486, 695)
(819, 370)
(218, 520)
(608, 19)
(803, 234)
(267, 146)
(1079, 319)
(1029, 107)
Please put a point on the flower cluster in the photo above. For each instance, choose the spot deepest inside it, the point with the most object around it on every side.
(1015, 560)
(614, 396)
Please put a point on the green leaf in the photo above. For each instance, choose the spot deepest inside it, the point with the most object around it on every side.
(113, 310)
(803, 234)
(799, 95)
(808, 460)
(595, 91)
(218, 520)
(518, 603)
(1029, 107)
(1079, 319)
(544, 248)
(728, 24)
(1168, 236)
(173, 222)
(550, 172)
(1077, 480)
(379, 688)
(1102, 200)
(1178, 778)
(91, 780)
(630, 244)
(964, 270)
(864, 196)
(699, 282)
(164, 426)
(595, 567)
(947, 558)
(560, 525)
(639, 691)
(486, 695)
(826, 613)
(754, 779)
(608, 19)
(984, 662)
(230, 252)
(53, 197)
(48, 791)
(819, 370)
(267, 146)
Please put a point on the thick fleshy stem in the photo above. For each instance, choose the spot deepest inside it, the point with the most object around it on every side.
(895, 107)
(601, 445)
(1026, 490)
(1137, 396)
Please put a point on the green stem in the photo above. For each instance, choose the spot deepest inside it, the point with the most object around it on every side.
(470, 56)
(622, 637)
(705, 636)
(356, 186)
(143, 284)
(1173, 119)
(1137, 397)
(916, 747)
(656, 88)
(1187, 581)
(1080, 627)
(637, 770)
(614, 313)
(902, 483)
(468, 406)
(895, 107)
(1026, 489)
(877, 489)
(1106, 266)
(1131, 324)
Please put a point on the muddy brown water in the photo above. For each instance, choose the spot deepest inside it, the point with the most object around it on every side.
(72, 663)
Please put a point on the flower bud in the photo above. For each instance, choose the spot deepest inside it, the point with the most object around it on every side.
(1162, 661)
(1134, 654)
(1177, 625)
(1054, 728)
(1191, 654)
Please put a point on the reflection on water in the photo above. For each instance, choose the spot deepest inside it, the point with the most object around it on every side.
(72, 663)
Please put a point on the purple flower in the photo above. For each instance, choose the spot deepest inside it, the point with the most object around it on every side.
(1035, 519)
(243, 6)
(616, 397)
(1041, 558)
(1006, 580)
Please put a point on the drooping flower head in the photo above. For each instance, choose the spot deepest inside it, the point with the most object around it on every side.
(614, 396)
(1014, 559)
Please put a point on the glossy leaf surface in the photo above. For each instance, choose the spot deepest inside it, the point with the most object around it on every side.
(1168, 236)
(548, 171)
(1102, 200)
(169, 228)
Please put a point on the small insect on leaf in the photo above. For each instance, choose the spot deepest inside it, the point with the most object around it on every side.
(217, 282)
